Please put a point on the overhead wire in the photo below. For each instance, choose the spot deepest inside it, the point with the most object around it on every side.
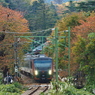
(25, 32)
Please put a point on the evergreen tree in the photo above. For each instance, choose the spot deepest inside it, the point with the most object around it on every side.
(4, 3)
(20, 5)
(41, 16)
(86, 6)
(71, 7)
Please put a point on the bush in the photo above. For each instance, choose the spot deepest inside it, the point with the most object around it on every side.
(11, 89)
(8, 93)
(63, 88)
(18, 85)
(1, 79)
(90, 88)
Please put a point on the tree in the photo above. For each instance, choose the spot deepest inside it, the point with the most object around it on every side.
(2, 2)
(41, 16)
(86, 6)
(83, 48)
(2, 36)
(20, 5)
(63, 24)
(86, 26)
(10, 21)
(84, 54)
(70, 21)
(71, 7)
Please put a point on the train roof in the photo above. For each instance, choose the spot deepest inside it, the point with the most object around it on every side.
(40, 56)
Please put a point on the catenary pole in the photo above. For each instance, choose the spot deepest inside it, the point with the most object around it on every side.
(56, 53)
(69, 50)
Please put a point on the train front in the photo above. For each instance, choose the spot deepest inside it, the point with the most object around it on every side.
(43, 69)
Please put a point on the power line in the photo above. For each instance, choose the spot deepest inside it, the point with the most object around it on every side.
(25, 32)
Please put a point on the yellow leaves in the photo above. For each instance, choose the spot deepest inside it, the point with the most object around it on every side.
(61, 24)
(69, 21)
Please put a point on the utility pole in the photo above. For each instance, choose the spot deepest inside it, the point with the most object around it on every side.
(16, 55)
(42, 45)
(56, 53)
(69, 51)
(56, 47)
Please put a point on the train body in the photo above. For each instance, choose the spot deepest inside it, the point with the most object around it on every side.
(39, 66)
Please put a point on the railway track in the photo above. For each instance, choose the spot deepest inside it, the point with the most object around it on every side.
(37, 89)
(34, 88)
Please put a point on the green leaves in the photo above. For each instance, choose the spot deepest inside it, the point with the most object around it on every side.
(86, 6)
(91, 35)
(63, 88)
(11, 89)
(84, 51)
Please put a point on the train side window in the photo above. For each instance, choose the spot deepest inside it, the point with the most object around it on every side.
(26, 63)
(30, 64)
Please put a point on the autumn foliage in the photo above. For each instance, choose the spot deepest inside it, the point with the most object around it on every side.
(86, 27)
(10, 21)
(81, 24)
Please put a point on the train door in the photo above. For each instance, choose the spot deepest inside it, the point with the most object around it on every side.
(31, 66)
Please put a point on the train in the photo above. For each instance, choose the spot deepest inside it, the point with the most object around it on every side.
(40, 67)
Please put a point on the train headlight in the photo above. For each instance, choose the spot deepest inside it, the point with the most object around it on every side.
(50, 72)
(36, 72)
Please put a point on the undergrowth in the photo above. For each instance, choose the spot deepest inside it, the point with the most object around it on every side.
(66, 88)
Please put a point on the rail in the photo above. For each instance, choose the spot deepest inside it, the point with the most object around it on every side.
(37, 89)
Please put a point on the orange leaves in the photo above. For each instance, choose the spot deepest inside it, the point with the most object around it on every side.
(12, 21)
(86, 27)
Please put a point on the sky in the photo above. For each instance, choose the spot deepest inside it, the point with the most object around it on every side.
(63, 0)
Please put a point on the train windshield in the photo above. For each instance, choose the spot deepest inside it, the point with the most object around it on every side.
(43, 63)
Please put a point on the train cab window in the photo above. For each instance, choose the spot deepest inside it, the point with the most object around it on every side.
(42, 63)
